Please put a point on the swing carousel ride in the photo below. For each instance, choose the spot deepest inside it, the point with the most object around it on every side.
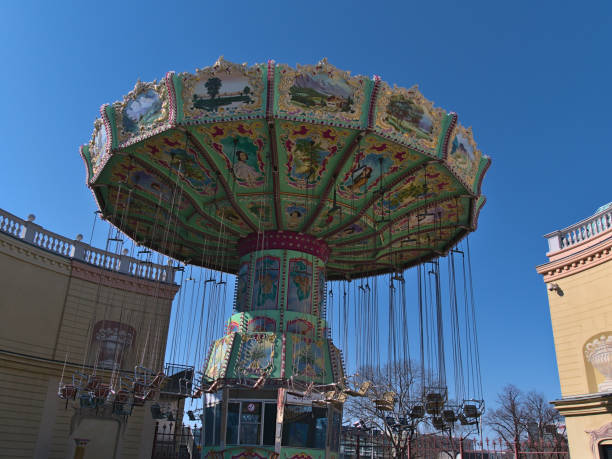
(307, 185)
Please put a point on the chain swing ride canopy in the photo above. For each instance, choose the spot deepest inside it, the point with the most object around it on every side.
(369, 178)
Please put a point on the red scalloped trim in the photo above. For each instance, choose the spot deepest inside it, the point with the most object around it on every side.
(284, 240)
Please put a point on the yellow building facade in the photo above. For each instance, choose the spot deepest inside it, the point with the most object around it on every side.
(578, 277)
(66, 310)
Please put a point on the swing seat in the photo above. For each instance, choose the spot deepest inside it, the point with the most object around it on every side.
(92, 383)
(465, 421)
(122, 396)
(139, 400)
(158, 380)
(433, 403)
(139, 387)
(101, 391)
(87, 401)
(212, 388)
(365, 386)
(449, 416)
(68, 392)
(470, 411)
(417, 412)
(437, 422)
(383, 405)
(151, 394)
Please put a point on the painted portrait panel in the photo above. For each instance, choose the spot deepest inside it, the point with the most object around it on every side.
(265, 285)
(299, 297)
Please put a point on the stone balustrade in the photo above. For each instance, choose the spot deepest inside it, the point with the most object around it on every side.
(75, 249)
(581, 231)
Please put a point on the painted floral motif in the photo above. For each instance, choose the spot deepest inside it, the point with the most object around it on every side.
(225, 89)
(373, 163)
(299, 296)
(463, 156)
(244, 455)
(242, 146)
(300, 326)
(218, 357)
(321, 91)
(409, 116)
(227, 215)
(309, 149)
(146, 181)
(261, 210)
(168, 151)
(261, 324)
(265, 285)
(420, 186)
(308, 357)
(233, 327)
(444, 213)
(256, 356)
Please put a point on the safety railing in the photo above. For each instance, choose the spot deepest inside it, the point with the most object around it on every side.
(76, 249)
(581, 231)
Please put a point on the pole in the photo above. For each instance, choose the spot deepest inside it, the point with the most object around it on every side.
(461, 447)
(357, 449)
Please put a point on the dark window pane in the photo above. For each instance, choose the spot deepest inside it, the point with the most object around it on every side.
(296, 425)
(208, 425)
(249, 434)
(217, 438)
(233, 410)
(251, 412)
(269, 424)
(320, 427)
(334, 435)
(212, 425)
(305, 426)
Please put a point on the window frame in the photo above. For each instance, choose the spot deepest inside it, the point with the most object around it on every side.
(240, 401)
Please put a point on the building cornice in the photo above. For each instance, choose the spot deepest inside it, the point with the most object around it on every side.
(123, 282)
(577, 262)
(591, 404)
(25, 252)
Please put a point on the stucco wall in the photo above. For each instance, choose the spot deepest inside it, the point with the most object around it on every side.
(48, 305)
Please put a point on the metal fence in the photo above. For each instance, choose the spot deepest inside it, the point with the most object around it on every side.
(174, 441)
(434, 446)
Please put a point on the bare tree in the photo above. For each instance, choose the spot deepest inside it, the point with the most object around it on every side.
(403, 380)
(509, 420)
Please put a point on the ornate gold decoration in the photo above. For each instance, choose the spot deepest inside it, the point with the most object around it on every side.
(153, 126)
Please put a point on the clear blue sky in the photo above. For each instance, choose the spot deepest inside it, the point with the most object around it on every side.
(531, 78)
